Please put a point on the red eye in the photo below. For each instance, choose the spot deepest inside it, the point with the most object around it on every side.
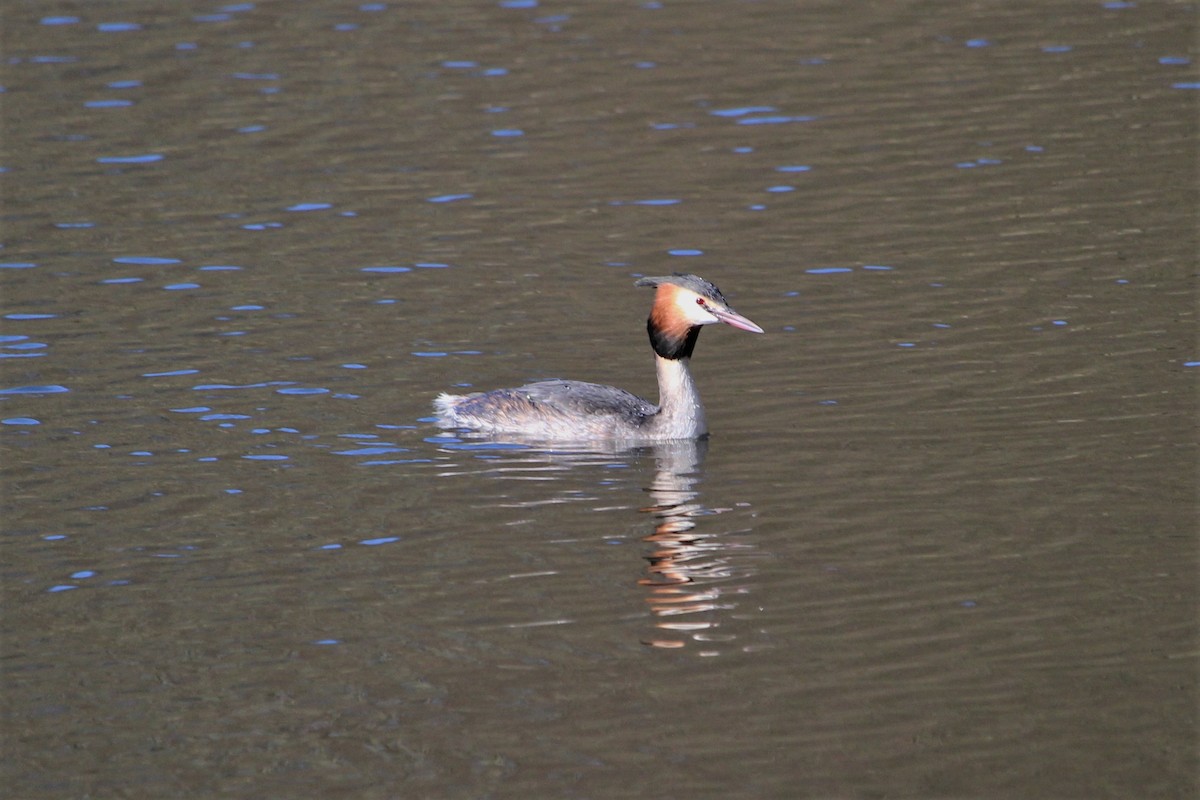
(699, 301)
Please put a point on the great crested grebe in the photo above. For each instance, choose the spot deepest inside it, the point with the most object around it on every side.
(560, 410)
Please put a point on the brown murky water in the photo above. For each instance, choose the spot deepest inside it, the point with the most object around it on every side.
(942, 542)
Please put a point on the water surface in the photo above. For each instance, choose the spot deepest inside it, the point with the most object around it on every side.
(940, 544)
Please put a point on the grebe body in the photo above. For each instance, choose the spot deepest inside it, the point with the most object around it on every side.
(561, 410)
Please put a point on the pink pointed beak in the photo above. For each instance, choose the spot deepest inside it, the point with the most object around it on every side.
(731, 317)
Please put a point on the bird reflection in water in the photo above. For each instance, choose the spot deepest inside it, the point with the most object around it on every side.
(687, 579)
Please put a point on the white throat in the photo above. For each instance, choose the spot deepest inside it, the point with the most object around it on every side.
(680, 416)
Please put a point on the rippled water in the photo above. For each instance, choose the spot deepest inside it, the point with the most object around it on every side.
(941, 543)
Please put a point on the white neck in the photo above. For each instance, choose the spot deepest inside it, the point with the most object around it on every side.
(680, 416)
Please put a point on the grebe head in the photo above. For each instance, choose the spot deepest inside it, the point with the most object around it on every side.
(682, 305)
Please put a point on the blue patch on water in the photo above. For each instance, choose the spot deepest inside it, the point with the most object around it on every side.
(107, 103)
(508, 133)
(61, 588)
(247, 307)
(460, 64)
(1057, 48)
(83, 574)
(380, 540)
(265, 458)
(205, 387)
(169, 374)
(179, 287)
(827, 270)
(877, 267)
(118, 27)
(776, 120)
(146, 260)
(303, 390)
(780, 189)
(354, 366)
(32, 390)
(1191, 363)
(431, 265)
(17, 265)
(431, 354)
(222, 417)
(651, 202)
(448, 198)
(794, 168)
(483, 446)
(30, 316)
(443, 439)
(120, 281)
(219, 268)
(370, 451)
(387, 269)
(977, 43)
(684, 251)
(1186, 85)
(64, 20)
(742, 111)
(518, 3)
(310, 207)
(148, 158)
(20, 421)
(326, 642)
(74, 225)
(191, 410)
(1175, 61)
(26, 346)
